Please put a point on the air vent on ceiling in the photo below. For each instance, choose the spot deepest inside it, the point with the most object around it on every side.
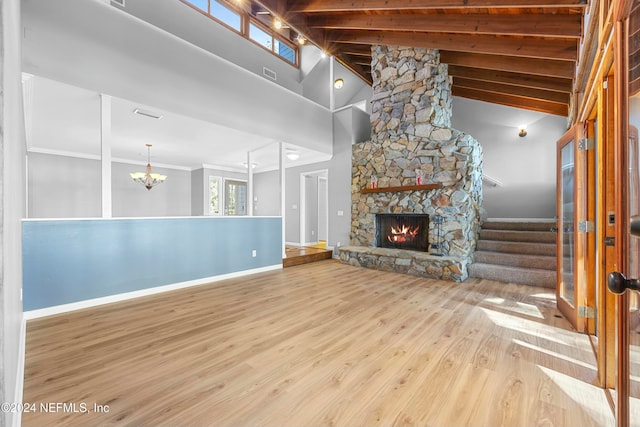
(147, 113)
(269, 73)
(117, 3)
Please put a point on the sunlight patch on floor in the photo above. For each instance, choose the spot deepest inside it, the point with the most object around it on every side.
(533, 328)
(519, 307)
(591, 399)
(555, 354)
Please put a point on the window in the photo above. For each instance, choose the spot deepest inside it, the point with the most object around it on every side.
(254, 24)
(203, 5)
(260, 37)
(272, 42)
(235, 197)
(286, 52)
(215, 192)
(226, 15)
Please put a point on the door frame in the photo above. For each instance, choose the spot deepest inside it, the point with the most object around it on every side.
(303, 203)
(621, 13)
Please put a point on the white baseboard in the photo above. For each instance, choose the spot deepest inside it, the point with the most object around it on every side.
(16, 420)
(58, 309)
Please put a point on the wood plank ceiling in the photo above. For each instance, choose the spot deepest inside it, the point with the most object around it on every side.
(520, 53)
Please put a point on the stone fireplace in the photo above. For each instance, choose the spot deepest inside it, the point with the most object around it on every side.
(402, 231)
(414, 164)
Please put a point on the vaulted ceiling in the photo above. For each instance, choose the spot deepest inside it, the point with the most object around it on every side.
(520, 53)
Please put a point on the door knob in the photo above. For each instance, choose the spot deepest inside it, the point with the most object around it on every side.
(618, 283)
(634, 226)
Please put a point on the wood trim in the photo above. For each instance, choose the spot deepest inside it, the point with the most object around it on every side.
(580, 238)
(590, 248)
(402, 188)
(620, 166)
(607, 312)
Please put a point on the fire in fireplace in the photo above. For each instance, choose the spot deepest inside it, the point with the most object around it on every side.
(402, 231)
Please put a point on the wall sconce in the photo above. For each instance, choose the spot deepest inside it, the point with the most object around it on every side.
(338, 83)
(522, 132)
(277, 23)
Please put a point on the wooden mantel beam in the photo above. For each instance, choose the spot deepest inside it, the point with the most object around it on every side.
(322, 6)
(563, 26)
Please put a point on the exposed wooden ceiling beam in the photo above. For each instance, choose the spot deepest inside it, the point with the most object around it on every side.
(315, 6)
(526, 80)
(513, 101)
(530, 47)
(361, 70)
(565, 26)
(360, 60)
(361, 50)
(525, 92)
(539, 67)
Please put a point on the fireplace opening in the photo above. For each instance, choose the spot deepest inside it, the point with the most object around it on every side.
(403, 231)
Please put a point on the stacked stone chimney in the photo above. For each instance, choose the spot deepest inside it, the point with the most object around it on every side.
(411, 137)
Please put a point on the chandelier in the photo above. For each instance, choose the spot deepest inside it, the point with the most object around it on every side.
(147, 178)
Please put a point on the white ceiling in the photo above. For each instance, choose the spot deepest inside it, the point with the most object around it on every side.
(63, 119)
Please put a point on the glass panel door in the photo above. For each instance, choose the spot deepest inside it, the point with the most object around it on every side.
(567, 188)
(566, 289)
(235, 197)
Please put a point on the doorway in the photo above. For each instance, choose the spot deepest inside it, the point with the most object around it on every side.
(314, 208)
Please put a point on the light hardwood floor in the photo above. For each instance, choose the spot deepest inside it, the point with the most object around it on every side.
(322, 344)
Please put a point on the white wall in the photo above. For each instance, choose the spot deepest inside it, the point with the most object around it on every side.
(266, 192)
(69, 187)
(526, 167)
(63, 187)
(132, 199)
(189, 24)
(95, 46)
(12, 205)
(345, 128)
(198, 195)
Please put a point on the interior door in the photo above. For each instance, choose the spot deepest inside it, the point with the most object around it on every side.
(574, 227)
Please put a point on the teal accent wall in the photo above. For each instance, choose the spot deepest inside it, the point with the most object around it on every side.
(66, 261)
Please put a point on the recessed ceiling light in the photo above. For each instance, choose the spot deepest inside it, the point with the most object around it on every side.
(338, 83)
(147, 113)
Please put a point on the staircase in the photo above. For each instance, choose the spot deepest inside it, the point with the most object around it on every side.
(520, 252)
